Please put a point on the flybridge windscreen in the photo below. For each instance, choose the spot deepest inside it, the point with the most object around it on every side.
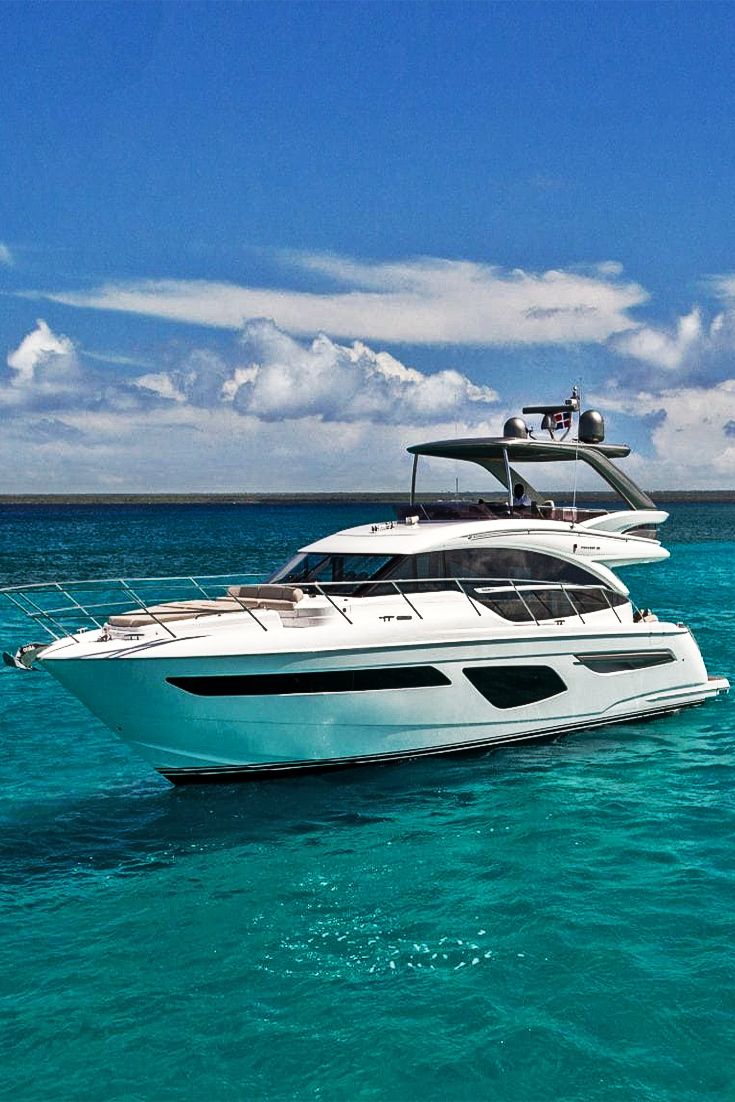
(557, 481)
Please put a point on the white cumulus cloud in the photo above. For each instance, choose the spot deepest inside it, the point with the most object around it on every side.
(42, 357)
(692, 430)
(697, 346)
(284, 379)
(669, 349)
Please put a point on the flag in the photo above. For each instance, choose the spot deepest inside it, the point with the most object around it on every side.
(563, 419)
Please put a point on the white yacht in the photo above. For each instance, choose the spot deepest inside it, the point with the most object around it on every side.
(457, 626)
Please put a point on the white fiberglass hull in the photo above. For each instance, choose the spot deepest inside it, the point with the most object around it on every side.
(232, 716)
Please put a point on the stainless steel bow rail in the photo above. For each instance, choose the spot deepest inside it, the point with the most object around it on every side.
(64, 609)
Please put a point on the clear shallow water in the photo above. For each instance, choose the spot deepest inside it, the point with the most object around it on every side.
(544, 923)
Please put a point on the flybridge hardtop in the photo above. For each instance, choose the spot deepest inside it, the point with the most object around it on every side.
(519, 445)
(492, 452)
(478, 448)
(459, 626)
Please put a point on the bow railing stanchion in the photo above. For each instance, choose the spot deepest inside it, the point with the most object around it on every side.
(341, 611)
(38, 616)
(473, 604)
(144, 607)
(42, 614)
(201, 589)
(610, 605)
(575, 610)
(519, 595)
(409, 603)
(250, 612)
(234, 597)
(75, 603)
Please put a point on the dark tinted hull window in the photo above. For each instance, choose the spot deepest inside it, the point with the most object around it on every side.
(619, 663)
(327, 681)
(515, 686)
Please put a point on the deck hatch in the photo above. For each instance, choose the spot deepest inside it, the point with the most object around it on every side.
(621, 661)
(514, 686)
(321, 681)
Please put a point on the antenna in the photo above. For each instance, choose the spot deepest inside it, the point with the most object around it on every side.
(558, 416)
(456, 465)
(576, 395)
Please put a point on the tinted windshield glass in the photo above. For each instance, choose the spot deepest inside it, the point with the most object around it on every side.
(492, 563)
(488, 562)
(516, 563)
(314, 567)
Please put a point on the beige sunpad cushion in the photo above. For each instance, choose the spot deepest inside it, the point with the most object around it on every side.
(172, 610)
(268, 591)
(279, 597)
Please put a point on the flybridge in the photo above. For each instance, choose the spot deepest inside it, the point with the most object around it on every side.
(519, 445)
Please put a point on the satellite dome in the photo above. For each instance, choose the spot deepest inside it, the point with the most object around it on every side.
(515, 427)
(591, 427)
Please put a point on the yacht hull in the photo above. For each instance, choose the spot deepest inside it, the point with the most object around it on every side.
(222, 718)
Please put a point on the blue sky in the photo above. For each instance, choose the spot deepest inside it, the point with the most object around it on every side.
(266, 246)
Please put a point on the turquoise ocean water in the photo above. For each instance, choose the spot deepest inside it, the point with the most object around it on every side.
(554, 922)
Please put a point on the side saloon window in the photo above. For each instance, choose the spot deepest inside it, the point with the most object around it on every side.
(518, 564)
(514, 686)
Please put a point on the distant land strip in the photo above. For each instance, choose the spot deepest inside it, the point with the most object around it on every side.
(336, 498)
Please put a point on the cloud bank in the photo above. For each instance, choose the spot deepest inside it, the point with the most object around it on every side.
(308, 412)
(423, 301)
(694, 348)
(277, 413)
(692, 432)
(270, 376)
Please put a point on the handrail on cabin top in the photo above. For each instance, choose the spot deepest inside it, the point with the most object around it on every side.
(26, 598)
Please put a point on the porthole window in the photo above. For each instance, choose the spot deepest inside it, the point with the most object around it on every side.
(515, 686)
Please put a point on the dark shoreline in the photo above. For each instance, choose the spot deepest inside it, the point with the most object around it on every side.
(327, 498)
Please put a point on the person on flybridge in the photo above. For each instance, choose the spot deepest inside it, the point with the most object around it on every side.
(521, 500)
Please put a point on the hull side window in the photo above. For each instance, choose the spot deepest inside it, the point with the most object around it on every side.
(622, 661)
(319, 681)
(515, 686)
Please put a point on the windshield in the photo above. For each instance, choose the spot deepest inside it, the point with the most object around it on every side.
(313, 566)
(487, 574)
(490, 563)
